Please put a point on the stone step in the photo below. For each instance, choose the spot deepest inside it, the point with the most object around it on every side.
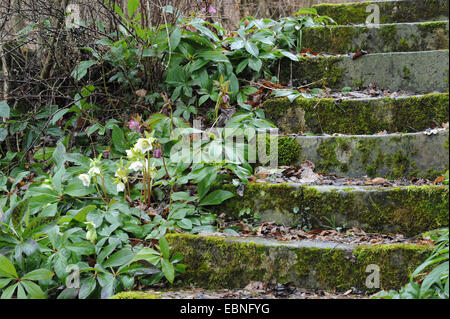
(409, 210)
(358, 116)
(214, 263)
(401, 37)
(391, 156)
(418, 72)
(389, 11)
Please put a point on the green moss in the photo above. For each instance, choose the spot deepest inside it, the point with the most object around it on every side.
(389, 34)
(358, 117)
(226, 263)
(328, 153)
(135, 295)
(289, 151)
(431, 26)
(390, 12)
(322, 70)
(408, 210)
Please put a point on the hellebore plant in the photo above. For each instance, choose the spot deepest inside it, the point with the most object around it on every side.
(137, 167)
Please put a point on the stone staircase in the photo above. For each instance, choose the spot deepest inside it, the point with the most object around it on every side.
(408, 52)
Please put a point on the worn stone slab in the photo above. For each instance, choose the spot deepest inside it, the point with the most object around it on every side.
(418, 72)
(390, 155)
(390, 11)
(401, 37)
(409, 210)
(215, 263)
(358, 116)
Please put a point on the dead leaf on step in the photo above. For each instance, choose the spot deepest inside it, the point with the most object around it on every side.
(439, 180)
(377, 180)
(141, 93)
(358, 54)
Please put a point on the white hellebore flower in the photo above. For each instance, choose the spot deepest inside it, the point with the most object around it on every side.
(144, 145)
(120, 187)
(136, 166)
(94, 171)
(85, 179)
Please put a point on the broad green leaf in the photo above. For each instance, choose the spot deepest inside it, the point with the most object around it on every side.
(77, 189)
(81, 70)
(132, 7)
(216, 198)
(255, 64)
(4, 109)
(44, 153)
(252, 48)
(214, 56)
(120, 258)
(147, 254)
(185, 224)
(82, 248)
(8, 292)
(7, 267)
(168, 270)
(164, 247)
(38, 274)
(87, 287)
(175, 38)
(57, 179)
(4, 282)
(118, 138)
(33, 289)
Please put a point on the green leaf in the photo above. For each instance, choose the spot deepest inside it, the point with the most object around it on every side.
(242, 65)
(175, 38)
(82, 213)
(255, 64)
(168, 270)
(252, 48)
(33, 289)
(164, 247)
(77, 189)
(185, 224)
(434, 277)
(133, 5)
(4, 282)
(87, 287)
(4, 109)
(289, 55)
(82, 248)
(147, 254)
(81, 70)
(7, 267)
(43, 153)
(3, 134)
(118, 138)
(57, 179)
(120, 258)
(216, 198)
(39, 274)
(8, 292)
(215, 56)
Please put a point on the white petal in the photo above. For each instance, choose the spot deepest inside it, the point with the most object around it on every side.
(85, 179)
(120, 187)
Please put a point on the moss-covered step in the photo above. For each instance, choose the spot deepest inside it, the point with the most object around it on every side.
(358, 116)
(389, 11)
(409, 210)
(419, 72)
(216, 263)
(390, 155)
(401, 37)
